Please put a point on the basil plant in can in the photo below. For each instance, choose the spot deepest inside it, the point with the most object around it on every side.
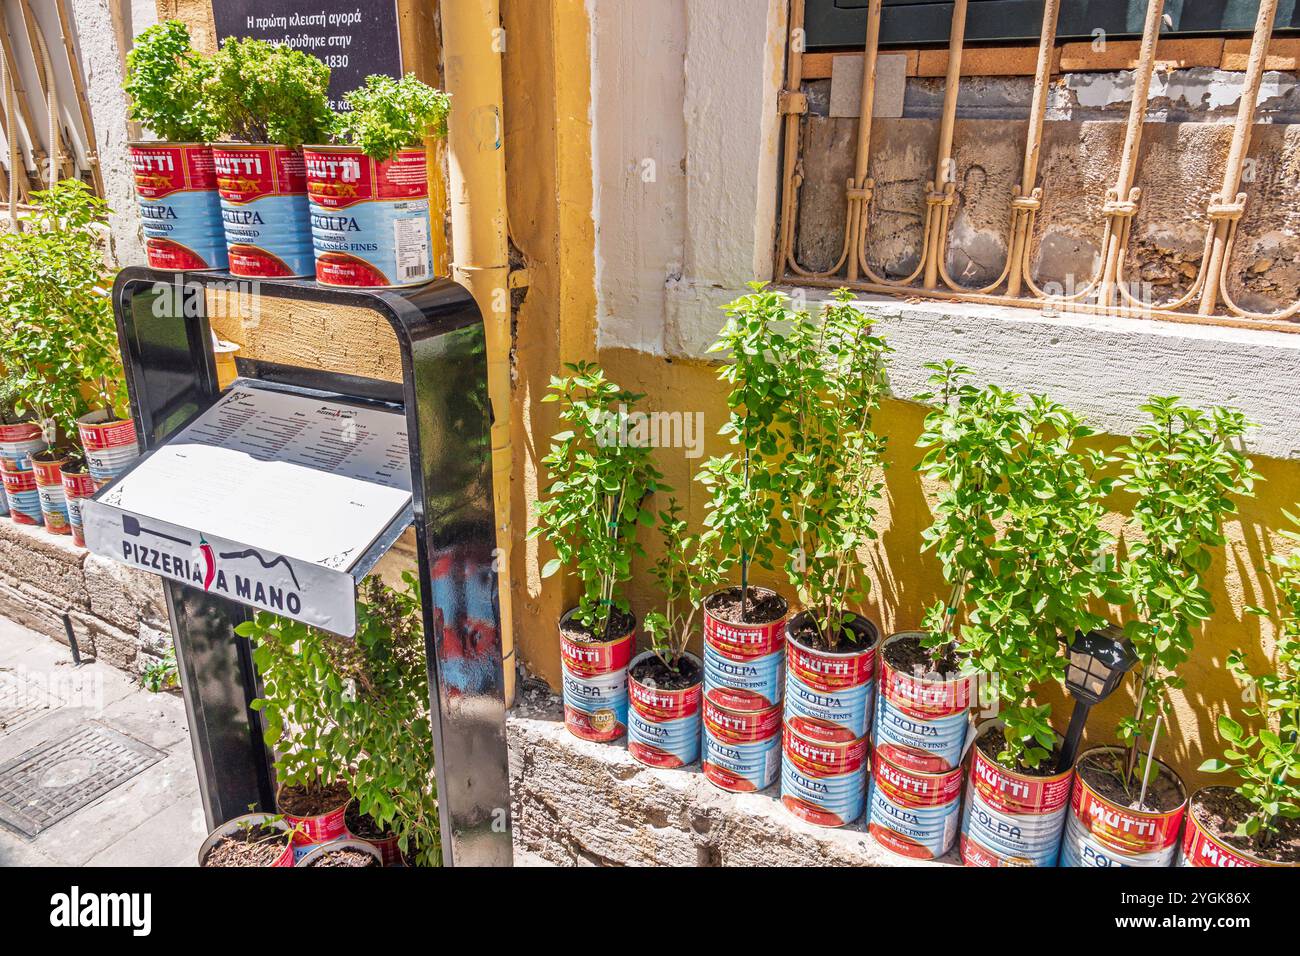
(596, 501)
(1184, 471)
(666, 683)
(831, 481)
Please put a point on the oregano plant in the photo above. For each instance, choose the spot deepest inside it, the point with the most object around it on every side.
(685, 572)
(386, 115)
(259, 92)
(600, 483)
(1185, 471)
(165, 80)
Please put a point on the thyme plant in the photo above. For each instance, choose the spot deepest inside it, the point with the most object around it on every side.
(599, 485)
(1184, 471)
(386, 115)
(685, 572)
(831, 474)
(259, 92)
(1267, 761)
(165, 80)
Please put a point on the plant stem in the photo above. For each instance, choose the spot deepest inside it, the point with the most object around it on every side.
(1146, 775)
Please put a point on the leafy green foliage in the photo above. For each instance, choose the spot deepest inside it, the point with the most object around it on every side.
(1185, 472)
(597, 495)
(1018, 530)
(161, 674)
(1268, 761)
(58, 340)
(258, 92)
(165, 80)
(387, 115)
(744, 487)
(830, 477)
(685, 571)
(356, 711)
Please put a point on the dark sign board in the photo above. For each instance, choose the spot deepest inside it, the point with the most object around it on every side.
(355, 38)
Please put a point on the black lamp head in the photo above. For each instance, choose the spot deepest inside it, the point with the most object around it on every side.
(1096, 663)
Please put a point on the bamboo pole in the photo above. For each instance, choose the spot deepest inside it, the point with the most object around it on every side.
(860, 187)
(790, 135)
(940, 194)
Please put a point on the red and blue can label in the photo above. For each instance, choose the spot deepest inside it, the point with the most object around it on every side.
(911, 813)
(21, 492)
(594, 677)
(49, 492)
(663, 726)
(823, 778)
(1011, 818)
(751, 683)
(830, 694)
(1101, 833)
(369, 220)
(742, 748)
(263, 193)
(921, 723)
(77, 488)
(1201, 847)
(180, 211)
(18, 442)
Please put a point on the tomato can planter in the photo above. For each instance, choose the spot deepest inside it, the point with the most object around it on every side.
(823, 777)
(369, 220)
(334, 846)
(263, 190)
(319, 827)
(742, 748)
(744, 664)
(176, 185)
(831, 694)
(1012, 818)
(594, 677)
(913, 813)
(1201, 847)
(232, 826)
(48, 468)
(921, 723)
(1101, 833)
(21, 492)
(78, 485)
(663, 725)
(109, 443)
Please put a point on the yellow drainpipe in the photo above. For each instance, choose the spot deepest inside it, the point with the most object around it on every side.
(471, 50)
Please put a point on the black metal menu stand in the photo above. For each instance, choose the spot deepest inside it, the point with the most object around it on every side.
(282, 492)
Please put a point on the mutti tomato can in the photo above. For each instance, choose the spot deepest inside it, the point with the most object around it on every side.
(19, 441)
(744, 664)
(21, 492)
(823, 778)
(663, 725)
(914, 814)
(1202, 848)
(831, 693)
(921, 721)
(78, 485)
(1102, 833)
(594, 677)
(263, 193)
(49, 492)
(742, 748)
(369, 220)
(109, 443)
(1012, 818)
(176, 185)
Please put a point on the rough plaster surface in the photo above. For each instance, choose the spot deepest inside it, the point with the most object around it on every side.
(578, 803)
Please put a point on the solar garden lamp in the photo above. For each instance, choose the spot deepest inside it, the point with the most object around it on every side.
(1095, 665)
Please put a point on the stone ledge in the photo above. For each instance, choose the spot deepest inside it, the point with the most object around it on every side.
(578, 803)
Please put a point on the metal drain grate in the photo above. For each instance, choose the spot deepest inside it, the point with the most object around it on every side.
(47, 783)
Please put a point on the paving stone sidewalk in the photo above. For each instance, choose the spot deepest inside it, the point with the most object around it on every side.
(66, 732)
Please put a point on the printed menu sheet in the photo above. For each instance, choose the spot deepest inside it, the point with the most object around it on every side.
(310, 479)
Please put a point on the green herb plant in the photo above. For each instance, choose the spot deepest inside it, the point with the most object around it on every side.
(742, 517)
(831, 476)
(685, 572)
(1184, 471)
(259, 92)
(597, 496)
(386, 115)
(165, 79)
(161, 674)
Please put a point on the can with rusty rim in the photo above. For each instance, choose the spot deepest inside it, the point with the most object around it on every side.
(263, 189)
(48, 466)
(176, 185)
(823, 777)
(744, 664)
(369, 220)
(831, 693)
(1202, 848)
(1012, 818)
(1100, 832)
(231, 826)
(912, 813)
(21, 492)
(594, 677)
(922, 722)
(663, 725)
(742, 748)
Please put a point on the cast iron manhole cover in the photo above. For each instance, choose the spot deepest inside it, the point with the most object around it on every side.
(47, 783)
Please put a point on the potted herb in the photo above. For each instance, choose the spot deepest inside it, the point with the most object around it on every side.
(370, 192)
(665, 683)
(1257, 823)
(596, 499)
(269, 99)
(19, 437)
(174, 178)
(1184, 471)
(348, 853)
(254, 839)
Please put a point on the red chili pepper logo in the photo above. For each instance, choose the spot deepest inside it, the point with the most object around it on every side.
(209, 562)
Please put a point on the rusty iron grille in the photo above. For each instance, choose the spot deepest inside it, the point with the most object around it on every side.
(1109, 290)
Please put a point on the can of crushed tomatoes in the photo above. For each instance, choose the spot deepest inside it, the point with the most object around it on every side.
(180, 211)
(1100, 832)
(922, 720)
(263, 191)
(912, 813)
(663, 724)
(1202, 848)
(831, 692)
(823, 778)
(594, 676)
(744, 664)
(742, 748)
